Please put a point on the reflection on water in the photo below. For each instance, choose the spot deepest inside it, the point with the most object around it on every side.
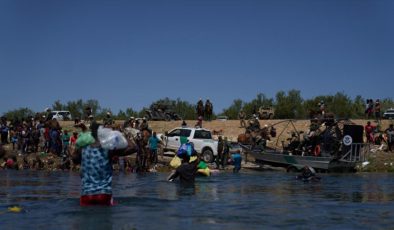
(224, 201)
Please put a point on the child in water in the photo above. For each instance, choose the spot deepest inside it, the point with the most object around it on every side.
(96, 170)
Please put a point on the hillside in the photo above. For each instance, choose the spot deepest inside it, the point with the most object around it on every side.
(231, 128)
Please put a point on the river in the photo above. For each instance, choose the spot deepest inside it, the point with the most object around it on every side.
(248, 200)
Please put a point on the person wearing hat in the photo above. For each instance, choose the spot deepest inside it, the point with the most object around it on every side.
(129, 123)
(108, 121)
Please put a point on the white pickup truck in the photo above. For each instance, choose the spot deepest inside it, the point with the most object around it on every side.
(201, 138)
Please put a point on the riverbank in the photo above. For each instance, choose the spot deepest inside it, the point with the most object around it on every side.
(378, 160)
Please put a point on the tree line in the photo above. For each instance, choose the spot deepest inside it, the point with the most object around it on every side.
(287, 105)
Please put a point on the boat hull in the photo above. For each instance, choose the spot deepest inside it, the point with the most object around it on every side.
(326, 164)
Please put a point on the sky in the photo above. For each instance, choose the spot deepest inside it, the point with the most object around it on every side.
(129, 53)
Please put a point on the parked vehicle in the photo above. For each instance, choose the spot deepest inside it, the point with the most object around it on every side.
(389, 114)
(222, 118)
(161, 112)
(159, 115)
(266, 113)
(61, 115)
(202, 139)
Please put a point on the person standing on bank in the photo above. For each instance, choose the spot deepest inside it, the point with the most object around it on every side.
(219, 157)
(153, 143)
(377, 110)
(390, 137)
(241, 117)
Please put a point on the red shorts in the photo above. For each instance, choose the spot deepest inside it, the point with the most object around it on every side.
(99, 199)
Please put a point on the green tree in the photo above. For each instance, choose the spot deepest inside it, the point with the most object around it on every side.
(76, 108)
(185, 109)
(103, 113)
(289, 106)
(260, 101)
(57, 105)
(121, 115)
(19, 114)
(386, 103)
(131, 113)
(232, 111)
(341, 105)
(358, 107)
(95, 105)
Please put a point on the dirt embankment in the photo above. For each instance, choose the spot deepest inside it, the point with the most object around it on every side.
(378, 161)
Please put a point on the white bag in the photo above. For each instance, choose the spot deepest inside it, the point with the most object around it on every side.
(110, 139)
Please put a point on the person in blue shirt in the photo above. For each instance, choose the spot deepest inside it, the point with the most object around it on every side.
(237, 159)
(153, 144)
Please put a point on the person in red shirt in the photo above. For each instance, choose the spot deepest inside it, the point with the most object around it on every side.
(369, 129)
(73, 138)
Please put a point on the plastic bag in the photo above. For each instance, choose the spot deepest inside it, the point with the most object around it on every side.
(110, 139)
(84, 139)
(186, 149)
(175, 162)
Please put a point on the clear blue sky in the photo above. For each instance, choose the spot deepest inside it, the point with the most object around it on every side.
(131, 53)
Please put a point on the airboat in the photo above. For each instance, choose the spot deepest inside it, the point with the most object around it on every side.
(337, 146)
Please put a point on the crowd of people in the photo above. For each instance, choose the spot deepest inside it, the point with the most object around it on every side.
(374, 135)
(41, 143)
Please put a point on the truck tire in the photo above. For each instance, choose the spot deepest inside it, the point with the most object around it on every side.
(207, 155)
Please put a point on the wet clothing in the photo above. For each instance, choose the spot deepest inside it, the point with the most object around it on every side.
(186, 172)
(96, 171)
(237, 159)
(219, 157)
(101, 199)
(153, 143)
